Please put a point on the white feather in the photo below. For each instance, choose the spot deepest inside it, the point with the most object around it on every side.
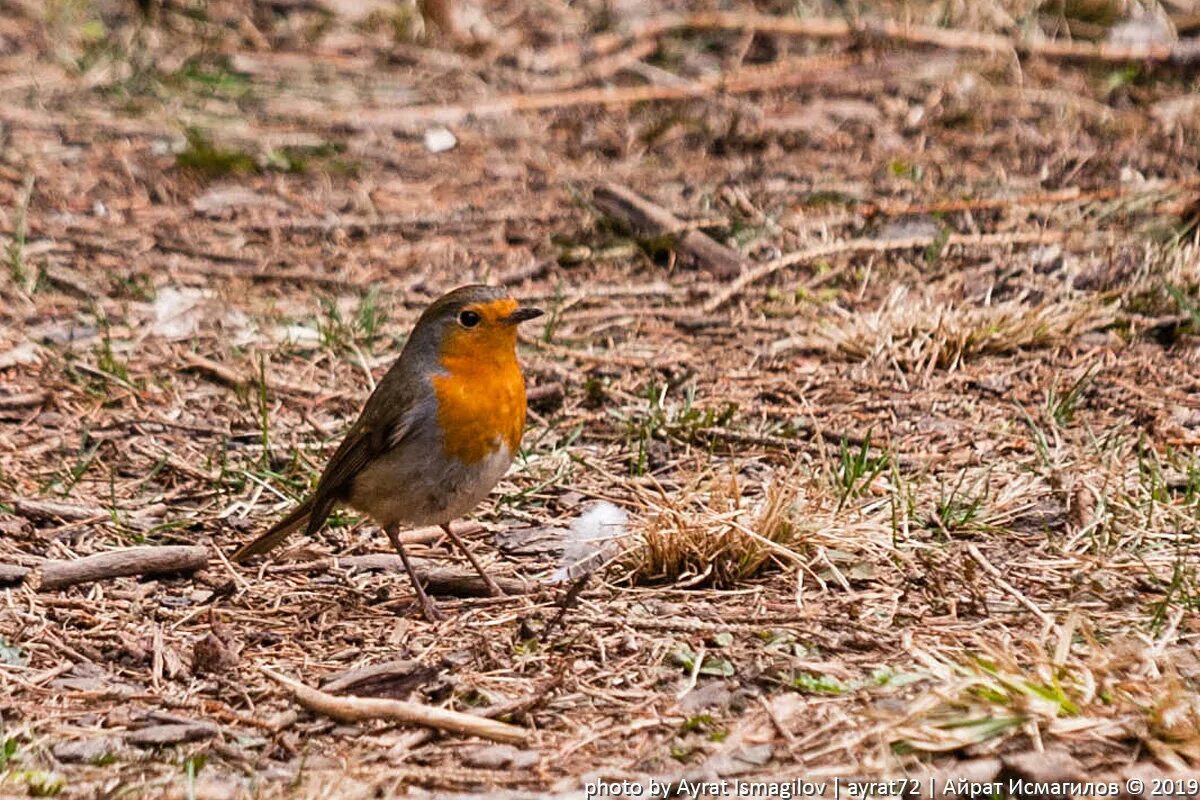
(590, 539)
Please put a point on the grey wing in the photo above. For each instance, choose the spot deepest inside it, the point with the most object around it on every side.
(375, 432)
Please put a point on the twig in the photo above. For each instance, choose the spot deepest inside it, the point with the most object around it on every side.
(743, 81)
(693, 674)
(211, 269)
(1061, 197)
(230, 377)
(544, 391)
(873, 246)
(596, 70)
(174, 733)
(535, 269)
(357, 709)
(430, 533)
(1183, 52)
(13, 573)
(750, 80)
(389, 673)
(362, 363)
(677, 625)
(568, 600)
(786, 444)
(991, 570)
(175, 463)
(779, 724)
(166, 559)
(25, 400)
(409, 225)
(438, 580)
(57, 509)
(648, 219)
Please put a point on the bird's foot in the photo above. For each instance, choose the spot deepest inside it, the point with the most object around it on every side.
(493, 588)
(429, 609)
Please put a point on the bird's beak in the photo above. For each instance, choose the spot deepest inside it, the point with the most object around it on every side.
(523, 314)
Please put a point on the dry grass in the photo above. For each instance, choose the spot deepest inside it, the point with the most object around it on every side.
(917, 334)
(1057, 692)
(710, 534)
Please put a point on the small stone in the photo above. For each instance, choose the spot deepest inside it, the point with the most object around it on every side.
(439, 140)
(710, 695)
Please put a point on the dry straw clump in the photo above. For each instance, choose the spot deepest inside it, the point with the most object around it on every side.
(1162, 281)
(1081, 690)
(918, 334)
(713, 534)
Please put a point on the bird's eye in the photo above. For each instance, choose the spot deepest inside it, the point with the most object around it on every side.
(469, 319)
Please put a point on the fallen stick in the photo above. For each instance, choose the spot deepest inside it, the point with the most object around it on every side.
(834, 68)
(423, 535)
(230, 377)
(12, 573)
(597, 70)
(648, 219)
(12, 402)
(171, 734)
(544, 391)
(51, 575)
(1183, 52)
(357, 709)
(820, 251)
(398, 677)
(1016, 593)
(56, 510)
(448, 581)
(1067, 196)
(440, 580)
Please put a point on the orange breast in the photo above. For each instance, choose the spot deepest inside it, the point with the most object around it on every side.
(481, 404)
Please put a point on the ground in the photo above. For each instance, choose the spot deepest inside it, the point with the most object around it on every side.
(913, 493)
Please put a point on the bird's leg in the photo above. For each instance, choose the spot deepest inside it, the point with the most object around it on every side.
(493, 588)
(428, 608)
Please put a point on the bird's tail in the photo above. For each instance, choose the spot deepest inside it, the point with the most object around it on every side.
(298, 517)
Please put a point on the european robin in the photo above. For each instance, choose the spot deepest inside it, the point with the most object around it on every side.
(435, 436)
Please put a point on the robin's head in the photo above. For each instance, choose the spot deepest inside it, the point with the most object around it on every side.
(477, 322)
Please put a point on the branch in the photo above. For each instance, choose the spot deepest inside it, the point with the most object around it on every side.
(12, 402)
(119, 563)
(820, 251)
(800, 72)
(448, 581)
(357, 709)
(647, 219)
(231, 377)
(13, 573)
(998, 577)
(57, 510)
(1183, 52)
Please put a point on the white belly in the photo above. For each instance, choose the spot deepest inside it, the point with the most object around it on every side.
(405, 486)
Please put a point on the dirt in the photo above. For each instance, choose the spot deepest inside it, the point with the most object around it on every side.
(915, 494)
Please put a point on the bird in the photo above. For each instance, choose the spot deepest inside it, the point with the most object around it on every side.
(440, 429)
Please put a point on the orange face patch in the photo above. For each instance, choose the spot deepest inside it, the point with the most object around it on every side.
(481, 396)
(488, 337)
